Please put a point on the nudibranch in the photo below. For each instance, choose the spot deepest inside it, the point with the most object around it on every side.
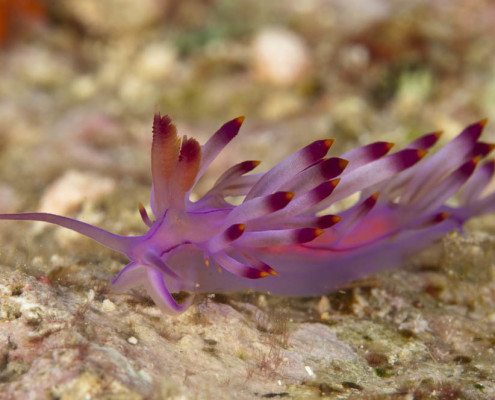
(279, 238)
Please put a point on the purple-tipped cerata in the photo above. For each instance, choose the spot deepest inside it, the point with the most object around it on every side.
(275, 241)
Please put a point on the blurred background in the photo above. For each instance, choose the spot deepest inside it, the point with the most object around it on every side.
(80, 81)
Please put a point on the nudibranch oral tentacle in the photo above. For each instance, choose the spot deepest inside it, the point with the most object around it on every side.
(274, 240)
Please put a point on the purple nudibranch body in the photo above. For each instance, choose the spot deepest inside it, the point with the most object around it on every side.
(277, 240)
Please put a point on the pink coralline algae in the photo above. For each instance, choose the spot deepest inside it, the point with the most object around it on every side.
(278, 240)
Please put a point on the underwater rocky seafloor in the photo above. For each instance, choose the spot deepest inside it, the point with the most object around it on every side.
(426, 331)
(76, 101)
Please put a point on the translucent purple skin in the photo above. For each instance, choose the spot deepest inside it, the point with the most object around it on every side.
(212, 246)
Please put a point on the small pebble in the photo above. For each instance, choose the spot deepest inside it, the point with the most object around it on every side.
(108, 306)
(132, 340)
(156, 61)
(309, 371)
(323, 305)
(280, 56)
